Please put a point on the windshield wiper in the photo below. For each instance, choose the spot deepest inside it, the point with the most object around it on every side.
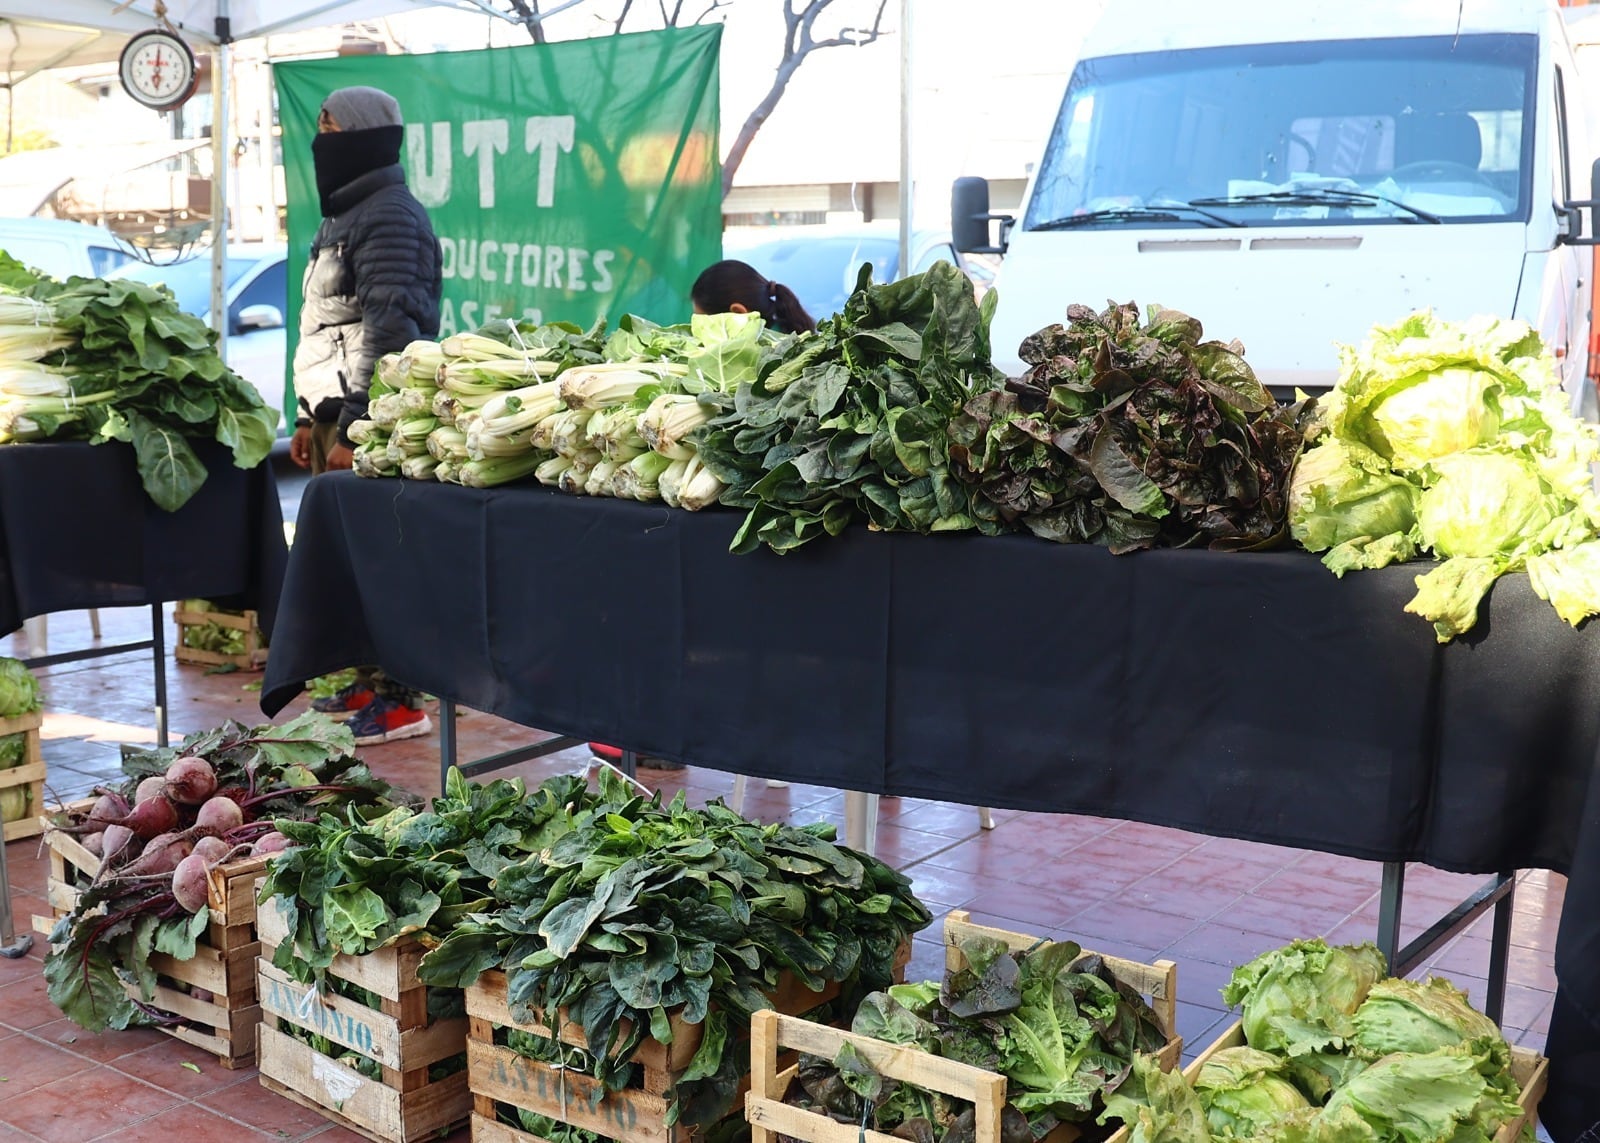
(1162, 213)
(1318, 196)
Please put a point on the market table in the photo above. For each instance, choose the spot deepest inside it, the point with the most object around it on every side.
(1245, 695)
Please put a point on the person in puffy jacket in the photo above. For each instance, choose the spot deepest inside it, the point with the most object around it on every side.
(372, 286)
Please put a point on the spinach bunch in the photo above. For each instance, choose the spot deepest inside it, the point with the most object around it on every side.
(152, 377)
(850, 423)
(644, 908)
(355, 882)
(1132, 434)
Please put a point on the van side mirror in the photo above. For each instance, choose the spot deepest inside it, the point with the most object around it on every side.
(970, 218)
(1573, 231)
(259, 317)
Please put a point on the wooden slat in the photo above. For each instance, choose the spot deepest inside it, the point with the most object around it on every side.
(487, 999)
(897, 1061)
(487, 1129)
(33, 720)
(344, 1021)
(230, 891)
(389, 972)
(782, 1119)
(566, 1095)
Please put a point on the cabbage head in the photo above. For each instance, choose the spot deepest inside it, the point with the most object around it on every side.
(1432, 414)
(1343, 496)
(1437, 1097)
(1484, 503)
(1301, 998)
(1244, 1090)
(1568, 578)
(12, 749)
(19, 690)
(14, 803)
(1412, 1016)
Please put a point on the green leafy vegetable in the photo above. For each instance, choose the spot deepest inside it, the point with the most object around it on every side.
(1453, 439)
(1244, 1090)
(1303, 997)
(1131, 434)
(19, 690)
(1410, 1016)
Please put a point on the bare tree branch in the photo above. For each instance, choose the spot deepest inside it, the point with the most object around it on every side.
(627, 6)
(710, 9)
(527, 12)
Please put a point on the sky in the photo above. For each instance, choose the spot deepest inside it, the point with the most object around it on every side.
(984, 93)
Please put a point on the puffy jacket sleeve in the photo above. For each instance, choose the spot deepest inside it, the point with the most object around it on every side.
(396, 267)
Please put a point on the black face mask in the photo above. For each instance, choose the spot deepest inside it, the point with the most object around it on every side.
(341, 157)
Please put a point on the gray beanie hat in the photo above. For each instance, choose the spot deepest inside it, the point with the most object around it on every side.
(359, 108)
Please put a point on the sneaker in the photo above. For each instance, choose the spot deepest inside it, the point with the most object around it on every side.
(345, 702)
(613, 755)
(600, 750)
(384, 720)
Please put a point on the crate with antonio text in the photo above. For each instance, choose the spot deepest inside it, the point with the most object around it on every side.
(773, 1035)
(23, 770)
(1528, 1068)
(213, 993)
(415, 1080)
(240, 628)
(502, 1077)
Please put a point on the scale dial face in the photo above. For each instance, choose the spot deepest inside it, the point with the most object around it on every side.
(158, 70)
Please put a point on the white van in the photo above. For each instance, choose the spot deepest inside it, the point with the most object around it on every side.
(1292, 174)
(63, 249)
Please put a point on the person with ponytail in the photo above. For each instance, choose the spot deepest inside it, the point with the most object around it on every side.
(737, 287)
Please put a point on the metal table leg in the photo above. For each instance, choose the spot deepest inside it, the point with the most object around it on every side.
(447, 740)
(629, 763)
(1496, 893)
(12, 946)
(159, 654)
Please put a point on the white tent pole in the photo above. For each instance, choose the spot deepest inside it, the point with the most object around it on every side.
(220, 63)
(905, 137)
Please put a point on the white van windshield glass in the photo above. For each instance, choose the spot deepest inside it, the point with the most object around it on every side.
(1404, 130)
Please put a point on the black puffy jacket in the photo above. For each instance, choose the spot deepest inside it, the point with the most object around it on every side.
(372, 286)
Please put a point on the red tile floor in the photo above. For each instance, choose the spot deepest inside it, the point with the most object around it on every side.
(1133, 890)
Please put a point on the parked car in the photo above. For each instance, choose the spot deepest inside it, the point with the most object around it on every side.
(63, 249)
(258, 299)
(820, 263)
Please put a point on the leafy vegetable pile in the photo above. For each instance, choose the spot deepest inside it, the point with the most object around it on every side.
(1454, 439)
(19, 690)
(1132, 434)
(361, 879)
(213, 636)
(850, 423)
(1055, 1022)
(122, 362)
(1335, 1054)
(575, 409)
(178, 814)
(19, 695)
(640, 908)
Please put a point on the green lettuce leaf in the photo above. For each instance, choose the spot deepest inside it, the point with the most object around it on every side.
(1302, 997)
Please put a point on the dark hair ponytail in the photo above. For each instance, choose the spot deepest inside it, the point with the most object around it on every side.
(727, 283)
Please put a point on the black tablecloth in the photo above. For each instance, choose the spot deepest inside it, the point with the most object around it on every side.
(1250, 696)
(77, 531)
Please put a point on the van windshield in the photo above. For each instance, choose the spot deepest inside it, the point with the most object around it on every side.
(1403, 130)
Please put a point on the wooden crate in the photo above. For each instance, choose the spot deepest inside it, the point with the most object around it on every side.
(29, 774)
(404, 1105)
(634, 1114)
(254, 656)
(1157, 983)
(224, 957)
(1528, 1068)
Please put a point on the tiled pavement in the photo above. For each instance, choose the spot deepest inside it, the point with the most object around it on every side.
(1133, 890)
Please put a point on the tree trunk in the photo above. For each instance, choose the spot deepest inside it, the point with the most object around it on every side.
(755, 120)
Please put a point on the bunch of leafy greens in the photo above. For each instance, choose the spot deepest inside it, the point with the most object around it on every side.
(1454, 439)
(142, 371)
(1244, 1090)
(19, 690)
(850, 423)
(13, 748)
(356, 881)
(118, 921)
(643, 908)
(1055, 1021)
(1132, 435)
(211, 635)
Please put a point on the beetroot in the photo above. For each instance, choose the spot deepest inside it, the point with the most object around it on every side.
(151, 787)
(116, 843)
(190, 884)
(190, 780)
(160, 856)
(92, 842)
(108, 808)
(219, 815)
(213, 849)
(273, 842)
(151, 816)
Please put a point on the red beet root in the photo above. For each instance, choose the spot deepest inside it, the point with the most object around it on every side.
(162, 855)
(151, 817)
(116, 842)
(190, 780)
(219, 815)
(92, 842)
(189, 883)
(273, 842)
(108, 808)
(151, 787)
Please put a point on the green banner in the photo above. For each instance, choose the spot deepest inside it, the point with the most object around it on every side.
(565, 181)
